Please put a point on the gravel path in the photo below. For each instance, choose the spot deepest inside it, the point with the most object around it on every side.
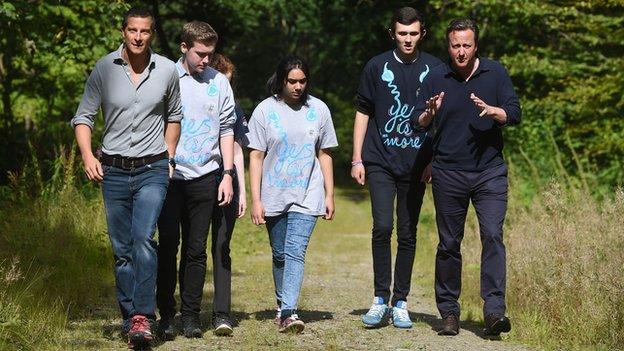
(337, 291)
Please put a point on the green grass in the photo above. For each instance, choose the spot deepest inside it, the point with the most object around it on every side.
(565, 285)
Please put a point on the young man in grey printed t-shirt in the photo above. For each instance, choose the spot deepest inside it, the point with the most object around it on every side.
(206, 141)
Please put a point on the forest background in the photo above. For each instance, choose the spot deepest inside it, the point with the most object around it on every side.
(566, 60)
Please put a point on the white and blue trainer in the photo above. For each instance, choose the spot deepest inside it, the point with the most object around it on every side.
(377, 314)
(400, 315)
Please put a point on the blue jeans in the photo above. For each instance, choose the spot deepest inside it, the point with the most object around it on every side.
(289, 234)
(133, 200)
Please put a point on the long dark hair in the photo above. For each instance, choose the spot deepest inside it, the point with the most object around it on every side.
(275, 84)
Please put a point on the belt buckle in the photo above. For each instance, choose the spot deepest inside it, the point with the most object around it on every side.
(130, 161)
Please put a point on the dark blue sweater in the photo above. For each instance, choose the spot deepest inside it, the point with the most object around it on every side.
(462, 140)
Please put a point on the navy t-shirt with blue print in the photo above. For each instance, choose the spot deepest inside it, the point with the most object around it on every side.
(388, 93)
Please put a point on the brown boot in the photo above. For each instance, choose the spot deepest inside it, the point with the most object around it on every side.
(450, 325)
(496, 324)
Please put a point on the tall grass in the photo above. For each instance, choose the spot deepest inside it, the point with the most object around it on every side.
(53, 243)
(566, 256)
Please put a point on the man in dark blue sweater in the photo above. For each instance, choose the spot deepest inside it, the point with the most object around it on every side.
(392, 155)
(469, 101)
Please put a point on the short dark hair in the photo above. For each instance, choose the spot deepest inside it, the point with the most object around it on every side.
(406, 15)
(461, 24)
(275, 84)
(198, 31)
(138, 12)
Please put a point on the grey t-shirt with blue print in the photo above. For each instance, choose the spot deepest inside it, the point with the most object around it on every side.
(208, 109)
(291, 174)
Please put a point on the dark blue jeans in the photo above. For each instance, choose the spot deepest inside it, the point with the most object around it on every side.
(133, 199)
(452, 193)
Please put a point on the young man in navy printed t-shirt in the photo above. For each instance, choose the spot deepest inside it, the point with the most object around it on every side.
(393, 156)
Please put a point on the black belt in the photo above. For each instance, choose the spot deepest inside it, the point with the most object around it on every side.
(129, 163)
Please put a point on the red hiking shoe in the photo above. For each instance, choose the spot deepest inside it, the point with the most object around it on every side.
(140, 334)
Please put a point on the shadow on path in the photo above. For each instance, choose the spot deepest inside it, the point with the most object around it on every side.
(306, 315)
(435, 323)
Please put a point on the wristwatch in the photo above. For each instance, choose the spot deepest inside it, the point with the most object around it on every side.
(230, 172)
(172, 162)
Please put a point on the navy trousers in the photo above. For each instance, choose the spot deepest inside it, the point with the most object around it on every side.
(452, 192)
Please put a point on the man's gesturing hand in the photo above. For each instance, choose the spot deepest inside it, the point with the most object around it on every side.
(486, 110)
(434, 104)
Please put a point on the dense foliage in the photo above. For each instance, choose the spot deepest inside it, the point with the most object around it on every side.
(565, 58)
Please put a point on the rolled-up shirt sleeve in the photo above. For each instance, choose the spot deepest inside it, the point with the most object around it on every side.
(227, 117)
(174, 102)
(91, 101)
(508, 100)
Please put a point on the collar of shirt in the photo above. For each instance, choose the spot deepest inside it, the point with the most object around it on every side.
(200, 77)
(118, 59)
(181, 71)
(401, 61)
(485, 65)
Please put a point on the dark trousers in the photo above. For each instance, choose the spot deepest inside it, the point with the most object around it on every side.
(189, 205)
(223, 221)
(409, 191)
(452, 193)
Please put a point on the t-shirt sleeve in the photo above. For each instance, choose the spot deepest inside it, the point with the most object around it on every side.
(91, 100)
(327, 133)
(240, 127)
(257, 131)
(227, 117)
(366, 91)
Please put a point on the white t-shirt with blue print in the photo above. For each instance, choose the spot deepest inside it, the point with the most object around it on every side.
(208, 109)
(292, 180)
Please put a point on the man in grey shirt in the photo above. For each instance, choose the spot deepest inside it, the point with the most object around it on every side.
(139, 94)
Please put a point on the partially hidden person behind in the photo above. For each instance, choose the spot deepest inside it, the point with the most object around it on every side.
(139, 94)
(224, 217)
(291, 176)
(468, 102)
(202, 180)
(393, 157)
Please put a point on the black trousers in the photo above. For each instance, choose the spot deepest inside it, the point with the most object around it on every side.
(408, 190)
(452, 193)
(223, 221)
(189, 205)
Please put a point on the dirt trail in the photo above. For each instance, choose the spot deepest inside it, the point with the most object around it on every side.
(337, 291)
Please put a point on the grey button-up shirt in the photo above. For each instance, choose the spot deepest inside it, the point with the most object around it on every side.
(134, 116)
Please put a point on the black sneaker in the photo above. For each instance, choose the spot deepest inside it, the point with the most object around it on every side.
(191, 327)
(222, 326)
(166, 328)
